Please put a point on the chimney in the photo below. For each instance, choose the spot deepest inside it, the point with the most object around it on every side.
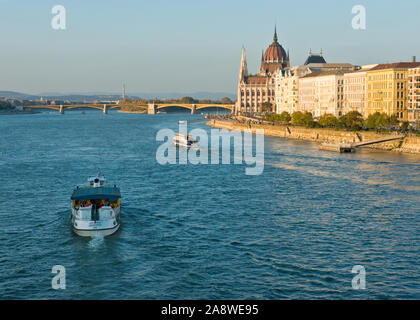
(414, 58)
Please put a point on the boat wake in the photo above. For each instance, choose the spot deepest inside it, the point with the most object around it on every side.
(96, 241)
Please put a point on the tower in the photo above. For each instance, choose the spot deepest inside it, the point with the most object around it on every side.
(123, 92)
(243, 70)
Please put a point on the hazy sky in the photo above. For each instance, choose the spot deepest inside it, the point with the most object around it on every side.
(187, 46)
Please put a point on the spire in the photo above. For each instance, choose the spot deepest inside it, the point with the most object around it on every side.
(275, 34)
(310, 52)
(243, 71)
(320, 53)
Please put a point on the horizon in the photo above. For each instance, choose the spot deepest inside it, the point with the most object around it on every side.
(166, 47)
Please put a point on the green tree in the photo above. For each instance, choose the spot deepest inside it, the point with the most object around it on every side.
(352, 120)
(273, 117)
(226, 100)
(188, 100)
(285, 117)
(328, 120)
(393, 120)
(308, 119)
(372, 120)
(404, 126)
(298, 117)
(266, 107)
(5, 105)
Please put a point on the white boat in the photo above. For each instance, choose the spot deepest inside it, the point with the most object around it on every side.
(96, 208)
(184, 140)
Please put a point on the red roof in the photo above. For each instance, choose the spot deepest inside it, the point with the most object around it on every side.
(256, 80)
(275, 53)
(397, 65)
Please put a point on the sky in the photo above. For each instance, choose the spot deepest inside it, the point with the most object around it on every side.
(187, 45)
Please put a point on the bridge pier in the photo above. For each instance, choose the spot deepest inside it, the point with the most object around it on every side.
(194, 109)
(105, 110)
(61, 109)
(152, 108)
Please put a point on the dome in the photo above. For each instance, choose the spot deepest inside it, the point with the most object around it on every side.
(275, 52)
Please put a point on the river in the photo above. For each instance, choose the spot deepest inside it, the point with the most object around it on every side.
(202, 231)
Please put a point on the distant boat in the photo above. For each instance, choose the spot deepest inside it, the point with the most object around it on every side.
(96, 208)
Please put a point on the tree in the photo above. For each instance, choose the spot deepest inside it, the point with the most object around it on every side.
(352, 120)
(285, 117)
(226, 100)
(372, 120)
(404, 126)
(328, 120)
(393, 120)
(302, 118)
(188, 100)
(5, 105)
(298, 117)
(308, 119)
(266, 107)
(273, 117)
(379, 120)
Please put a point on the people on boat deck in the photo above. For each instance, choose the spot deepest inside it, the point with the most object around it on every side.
(95, 203)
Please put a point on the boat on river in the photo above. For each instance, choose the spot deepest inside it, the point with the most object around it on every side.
(96, 208)
(184, 140)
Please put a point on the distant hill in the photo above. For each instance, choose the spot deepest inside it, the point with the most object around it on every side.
(18, 95)
(103, 96)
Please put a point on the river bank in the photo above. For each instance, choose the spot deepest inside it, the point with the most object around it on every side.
(410, 144)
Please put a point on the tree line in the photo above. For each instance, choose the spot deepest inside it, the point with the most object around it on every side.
(351, 121)
(4, 105)
(183, 100)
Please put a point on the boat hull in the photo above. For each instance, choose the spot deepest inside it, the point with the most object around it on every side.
(96, 232)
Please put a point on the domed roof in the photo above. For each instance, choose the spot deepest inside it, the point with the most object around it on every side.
(275, 52)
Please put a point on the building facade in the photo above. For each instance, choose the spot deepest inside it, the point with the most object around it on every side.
(355, 90)
(413, 107)
(321, 93)
(255, 90)
(387, 89)
(287, 83)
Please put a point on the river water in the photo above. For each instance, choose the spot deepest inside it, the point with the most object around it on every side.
(202, 231)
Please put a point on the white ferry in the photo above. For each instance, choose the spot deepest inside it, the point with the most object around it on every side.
(96, 208)
(185, 140)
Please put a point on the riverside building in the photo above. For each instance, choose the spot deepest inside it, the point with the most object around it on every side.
(413, 107)
(287, 97)
(355, 90)
(254, 90)
(387, 89)
(321, 93)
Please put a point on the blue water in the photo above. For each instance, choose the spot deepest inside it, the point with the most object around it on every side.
(202, 231)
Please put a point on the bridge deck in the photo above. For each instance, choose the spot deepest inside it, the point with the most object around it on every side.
(365, 143)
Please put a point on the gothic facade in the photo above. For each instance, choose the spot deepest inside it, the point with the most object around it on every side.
(255, 90)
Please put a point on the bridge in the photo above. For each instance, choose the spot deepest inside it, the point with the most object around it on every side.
(154, 108)
(62, 107)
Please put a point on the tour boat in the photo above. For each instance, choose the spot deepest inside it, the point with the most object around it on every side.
(96, 208)
(184, 140)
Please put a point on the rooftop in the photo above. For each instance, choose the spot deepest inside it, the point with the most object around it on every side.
(397, 65)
